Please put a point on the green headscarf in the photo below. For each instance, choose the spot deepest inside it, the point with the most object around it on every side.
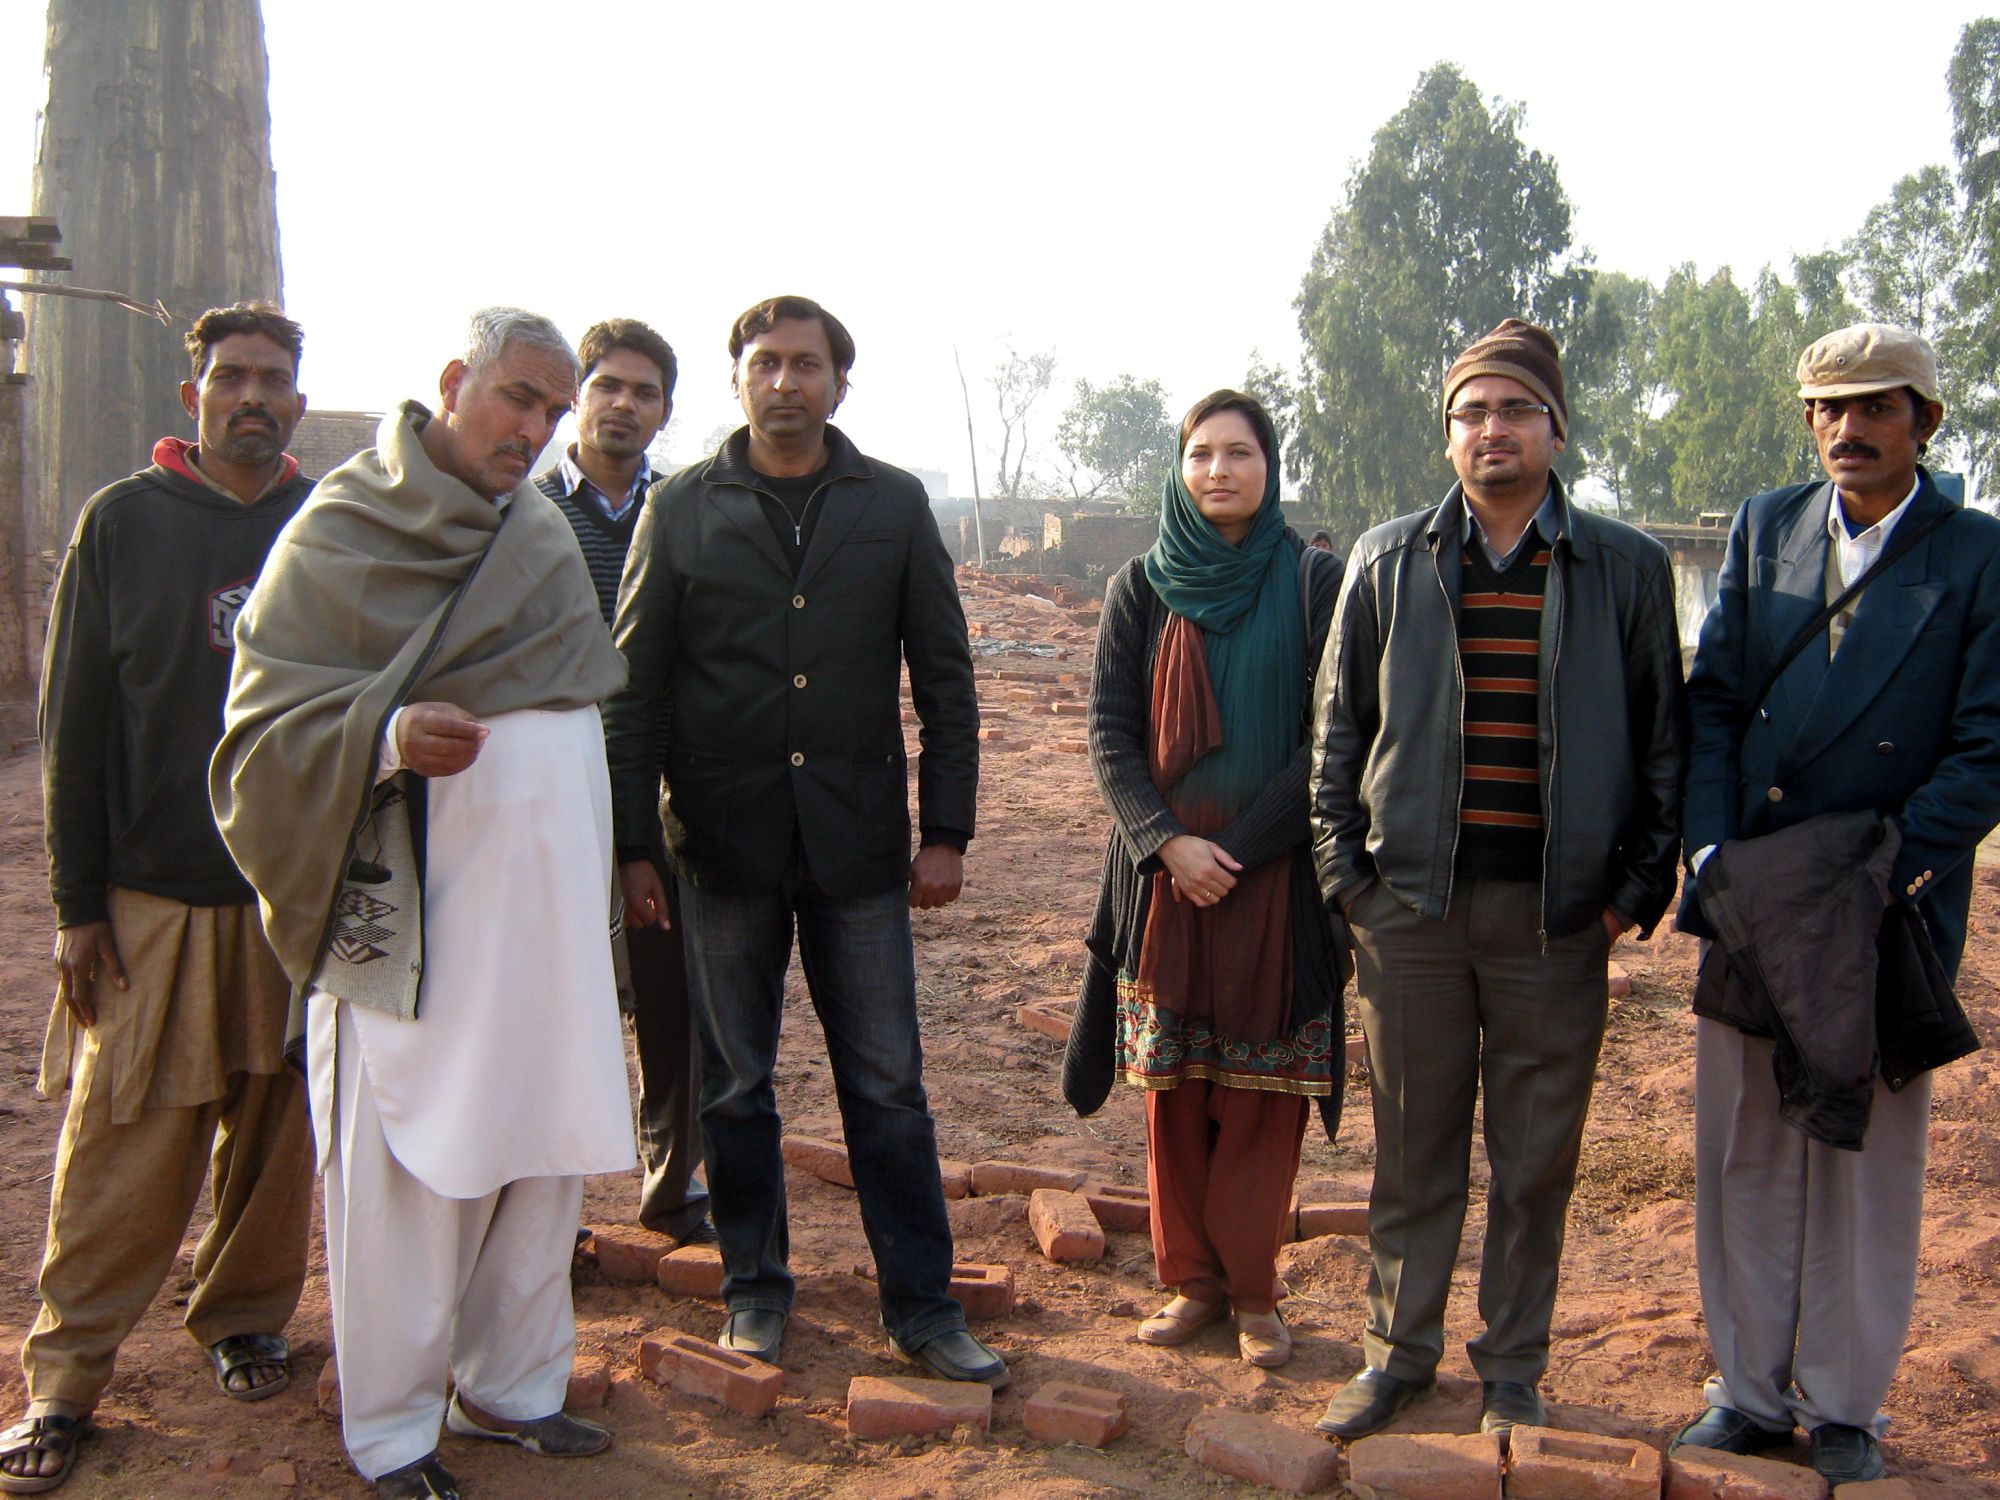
(1245, 598)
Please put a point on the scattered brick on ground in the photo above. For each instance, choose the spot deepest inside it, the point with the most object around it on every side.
(1125, 1209)
(1710, 1474)
(329, 1387)
(1619, 980)
(696, 1368)
(1049, 1017)
(1433, 1465)
(880, 1406)
(956, 1176)
(1073, 746)
(1246, 1446)
(629, 1253)
(1064, 1226)
(826, 1160)
(1316, 1219)
(1876, 1489)
(691, 1271)
(1065, 1412)
(1544, 1464)
(589, 1384)
(983, 1291)
(990, 1177)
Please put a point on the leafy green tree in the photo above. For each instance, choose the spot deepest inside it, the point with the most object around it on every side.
(1619, 449)
(1450, 225)
(1117, 440)
(1971, 349)
(1909, 253)
(1820, 280)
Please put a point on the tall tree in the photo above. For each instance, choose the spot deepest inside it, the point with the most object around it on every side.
(1117, 440)
(1908, 254)
(1450, 225)
(1018, 381)
(1972, 349)
(1619, 449)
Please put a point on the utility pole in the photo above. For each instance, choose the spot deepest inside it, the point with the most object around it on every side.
(972, 450)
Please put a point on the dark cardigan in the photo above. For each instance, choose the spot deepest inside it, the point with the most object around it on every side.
(1273, 826)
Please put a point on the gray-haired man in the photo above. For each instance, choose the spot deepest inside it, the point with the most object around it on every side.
(412, 776)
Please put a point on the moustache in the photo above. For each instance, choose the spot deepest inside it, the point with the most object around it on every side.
(1852, 450)
(248, 418)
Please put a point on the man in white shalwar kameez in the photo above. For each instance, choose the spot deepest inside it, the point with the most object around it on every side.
(418, 653)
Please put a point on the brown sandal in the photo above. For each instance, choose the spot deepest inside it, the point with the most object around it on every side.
(1179, 1321)
(47, 1433)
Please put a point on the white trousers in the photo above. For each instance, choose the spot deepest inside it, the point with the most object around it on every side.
(427, 1289)
(1808, 1254)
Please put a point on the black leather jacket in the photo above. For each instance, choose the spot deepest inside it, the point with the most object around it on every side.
(1389, 761)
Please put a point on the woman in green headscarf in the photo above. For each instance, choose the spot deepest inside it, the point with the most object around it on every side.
(1215, 974)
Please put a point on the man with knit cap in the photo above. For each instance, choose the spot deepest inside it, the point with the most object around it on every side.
(1500, 736)
(1816, 708)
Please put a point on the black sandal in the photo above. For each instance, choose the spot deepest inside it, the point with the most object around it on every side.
(426, 1479)
(249, 1351)
(47, 1433)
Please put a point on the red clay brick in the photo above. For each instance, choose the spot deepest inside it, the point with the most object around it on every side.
(692, 1271)
(1709, 1474)
(1258, 1449)
(826, 1160)
(989, 1177)
(328, 1392)
(1073, 747)
(983, 1291)
(1876, 1489)
(1022, 695)
(1316, 1219)
(1064, 1412)
(1070, 710)
(988, 733)
(671, 1358)
(1064, 1226)
(629, 1253)
(1544, 1464)
(1434, 1465)
(589, 1385)
(1049, 1017)
(1619, 980)
(956, 1176)
(1126, 1209)
(880, 1406)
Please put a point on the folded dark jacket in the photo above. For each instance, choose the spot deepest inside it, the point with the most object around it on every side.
(1813, 951)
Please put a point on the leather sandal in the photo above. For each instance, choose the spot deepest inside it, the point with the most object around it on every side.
(558, 1435)
(251, 1351)
(47, 1433)
(1263, 1339)
(1179, 1321)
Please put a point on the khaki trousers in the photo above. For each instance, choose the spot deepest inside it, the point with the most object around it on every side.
(1452, 1008)
(119, 1209)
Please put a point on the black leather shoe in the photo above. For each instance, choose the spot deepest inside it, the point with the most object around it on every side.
(1507, 1404)
(755, 1331)
(1727, 1430)
(702, 1234)
(956, 1355)
(1369, 1402)
(1846, 1455)
(426, 1479)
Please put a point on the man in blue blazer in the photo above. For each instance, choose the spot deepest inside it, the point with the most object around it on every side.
(1808, 1252)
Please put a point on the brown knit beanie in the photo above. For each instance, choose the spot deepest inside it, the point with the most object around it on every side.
(1520, 351)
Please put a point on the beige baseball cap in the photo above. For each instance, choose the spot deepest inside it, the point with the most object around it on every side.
(1866, 358)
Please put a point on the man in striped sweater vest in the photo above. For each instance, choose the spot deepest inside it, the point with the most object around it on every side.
(600, 485)
(1500, 735)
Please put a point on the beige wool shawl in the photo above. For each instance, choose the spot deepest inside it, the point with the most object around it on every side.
(395, 583)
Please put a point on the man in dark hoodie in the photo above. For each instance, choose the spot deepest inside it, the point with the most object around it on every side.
(168, 1026)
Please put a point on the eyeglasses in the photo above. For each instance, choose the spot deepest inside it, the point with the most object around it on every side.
(1514, 414)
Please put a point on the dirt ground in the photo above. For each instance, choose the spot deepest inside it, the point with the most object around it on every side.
(1628, 1355)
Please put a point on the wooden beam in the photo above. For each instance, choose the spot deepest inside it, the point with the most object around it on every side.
(18, 227)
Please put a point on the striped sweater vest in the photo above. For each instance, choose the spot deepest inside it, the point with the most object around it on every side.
(1499, 642)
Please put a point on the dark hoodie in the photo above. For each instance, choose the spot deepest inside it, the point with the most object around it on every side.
(134, 678)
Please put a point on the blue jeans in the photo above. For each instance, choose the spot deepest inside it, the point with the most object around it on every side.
(861, 972)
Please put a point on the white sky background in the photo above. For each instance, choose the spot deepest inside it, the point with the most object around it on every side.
(1139, 187)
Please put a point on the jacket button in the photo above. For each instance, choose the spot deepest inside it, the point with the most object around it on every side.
(800, 680)
(798, 601)
(1886, 747)
(1911, 888)
(798, 759)
(1775, 794)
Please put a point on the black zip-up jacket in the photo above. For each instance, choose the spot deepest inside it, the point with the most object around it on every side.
(786, 723)
(1389, 763)
(133, 683)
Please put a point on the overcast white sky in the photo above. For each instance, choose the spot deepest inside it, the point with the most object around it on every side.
(1137, 186)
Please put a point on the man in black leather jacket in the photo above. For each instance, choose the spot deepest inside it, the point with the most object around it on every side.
(772, 596)
(1500, 736)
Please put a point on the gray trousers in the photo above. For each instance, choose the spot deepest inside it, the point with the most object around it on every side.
(1450, 1008)
(1808, 1254)
(671, 1200)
